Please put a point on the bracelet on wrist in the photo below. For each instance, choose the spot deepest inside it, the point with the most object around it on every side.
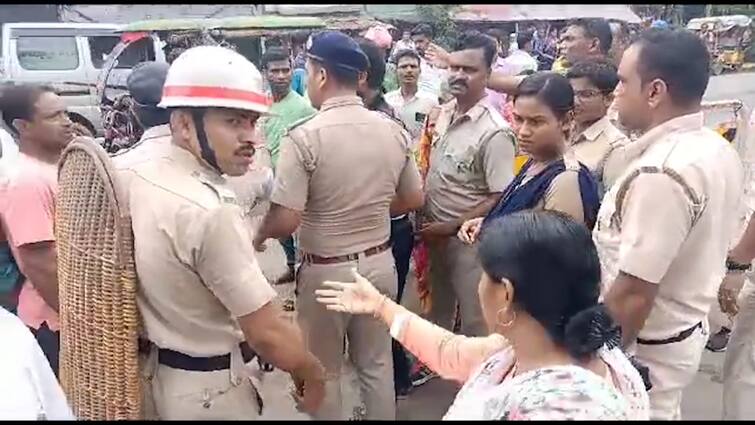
(733, 266)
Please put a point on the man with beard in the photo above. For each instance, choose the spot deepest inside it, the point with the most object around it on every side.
(288, 108)
(27, 205)
(664, 227)
(471, 162)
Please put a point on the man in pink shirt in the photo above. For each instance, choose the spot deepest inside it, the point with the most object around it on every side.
(39, 119)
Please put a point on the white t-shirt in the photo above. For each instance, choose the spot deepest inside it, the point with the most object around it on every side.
(8, 146)
(519, 61)
(28, 388)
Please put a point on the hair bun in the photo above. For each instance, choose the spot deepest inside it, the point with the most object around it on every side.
(589, 330)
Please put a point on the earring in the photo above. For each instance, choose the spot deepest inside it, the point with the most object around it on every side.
(505, 324)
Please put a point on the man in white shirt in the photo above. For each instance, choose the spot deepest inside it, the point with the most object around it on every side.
(432, 78)
(28, 386)
(520, 60)
(410, 103)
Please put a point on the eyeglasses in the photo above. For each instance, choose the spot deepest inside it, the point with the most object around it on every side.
(586, 94)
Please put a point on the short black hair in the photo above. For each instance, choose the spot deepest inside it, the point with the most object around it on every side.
(552, 88)
(300, 37)
(679, 58)
(17, 102)
(345, 77)
(498, 34)
(601, 73)
(478, 40)
(376, 59)
(274, 54)
(403, 53)
(596, 28)
(553, 266)
(422, 29)
(523, 38)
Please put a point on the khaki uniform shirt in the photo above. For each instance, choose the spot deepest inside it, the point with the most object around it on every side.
(194, 256)
(595, 145)
(471, 158)
(342, 168)
(665, 234)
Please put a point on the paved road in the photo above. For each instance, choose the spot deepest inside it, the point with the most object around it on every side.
(701, 401)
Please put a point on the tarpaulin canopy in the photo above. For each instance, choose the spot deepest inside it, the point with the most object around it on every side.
(544, 12)
(511, 12)
(720, 23)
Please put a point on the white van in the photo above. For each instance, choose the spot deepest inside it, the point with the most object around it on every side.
(69, 57)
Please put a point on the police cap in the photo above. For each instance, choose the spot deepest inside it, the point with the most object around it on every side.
(337, 49)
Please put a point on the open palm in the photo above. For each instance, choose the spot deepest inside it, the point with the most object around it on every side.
(358, 297)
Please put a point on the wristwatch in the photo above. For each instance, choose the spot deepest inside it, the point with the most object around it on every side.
(733, 266)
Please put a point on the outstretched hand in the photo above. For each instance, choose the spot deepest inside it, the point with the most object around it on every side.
(358, 297)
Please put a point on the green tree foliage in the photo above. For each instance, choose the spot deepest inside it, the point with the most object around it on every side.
(439, 18)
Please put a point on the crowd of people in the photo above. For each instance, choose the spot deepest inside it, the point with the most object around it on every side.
(572, 225)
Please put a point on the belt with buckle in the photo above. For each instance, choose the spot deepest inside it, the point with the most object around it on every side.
(316, 259)
(182, 361)
(681, 336)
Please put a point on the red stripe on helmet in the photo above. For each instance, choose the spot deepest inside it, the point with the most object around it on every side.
(217, 93)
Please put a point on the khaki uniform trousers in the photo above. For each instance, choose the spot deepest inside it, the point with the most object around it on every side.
(369, 342)
(455, 275)
(174, 394)
(739, 364)
(672, 368)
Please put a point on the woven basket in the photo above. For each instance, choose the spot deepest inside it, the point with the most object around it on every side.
(99, 362)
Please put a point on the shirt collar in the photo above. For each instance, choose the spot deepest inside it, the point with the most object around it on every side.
(689, 122)
(474, 113)
(158, 131)
(596, 129)
(187, 161)
(341, 101)
(444, 122)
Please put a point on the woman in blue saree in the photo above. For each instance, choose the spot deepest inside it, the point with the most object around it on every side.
(549, 180)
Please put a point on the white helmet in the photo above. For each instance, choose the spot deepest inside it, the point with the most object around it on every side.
(214, 77)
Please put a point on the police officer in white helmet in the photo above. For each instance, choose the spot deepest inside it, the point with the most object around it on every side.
(206, 308)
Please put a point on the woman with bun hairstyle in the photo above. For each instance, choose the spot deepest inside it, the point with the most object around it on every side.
(553, 350)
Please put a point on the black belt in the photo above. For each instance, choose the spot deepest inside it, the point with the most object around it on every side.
(177, 360)
(681, 336)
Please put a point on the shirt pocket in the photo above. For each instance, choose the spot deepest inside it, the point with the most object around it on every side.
(459, 163)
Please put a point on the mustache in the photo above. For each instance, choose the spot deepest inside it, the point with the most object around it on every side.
(457, 82)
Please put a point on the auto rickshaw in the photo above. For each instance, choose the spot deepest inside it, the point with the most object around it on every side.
(727, 38)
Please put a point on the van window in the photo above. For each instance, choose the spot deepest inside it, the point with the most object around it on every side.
(100, 47)
(139, 51)
(47, 53)
(142, 50)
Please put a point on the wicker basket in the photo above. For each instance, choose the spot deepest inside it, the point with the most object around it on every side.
(99, 361)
